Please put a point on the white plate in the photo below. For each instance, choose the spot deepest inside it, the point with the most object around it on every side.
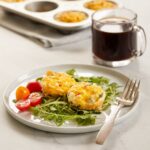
(84, 70)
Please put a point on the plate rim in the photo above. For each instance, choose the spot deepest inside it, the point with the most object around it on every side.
(33, 124)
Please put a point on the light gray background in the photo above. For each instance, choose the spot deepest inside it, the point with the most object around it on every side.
(19, 55)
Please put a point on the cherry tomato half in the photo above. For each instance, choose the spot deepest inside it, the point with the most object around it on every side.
(23, 105)
(35, 98)
(34, 87)
(22, 93)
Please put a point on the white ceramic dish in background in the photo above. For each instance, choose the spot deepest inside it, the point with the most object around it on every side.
(83, 70)
(48, 16)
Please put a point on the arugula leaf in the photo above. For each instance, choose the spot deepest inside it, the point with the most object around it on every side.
(111, 94)
(85, 120)
(39, 79)
(71, 72)
(59, 111)
(14, 101)
(98, 80)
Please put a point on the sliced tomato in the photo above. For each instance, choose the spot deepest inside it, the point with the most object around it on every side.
(22, 93)
(23, 105)
(35, 98)
(34, 87)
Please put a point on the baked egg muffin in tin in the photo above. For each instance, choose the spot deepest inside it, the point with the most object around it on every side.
(60, 14)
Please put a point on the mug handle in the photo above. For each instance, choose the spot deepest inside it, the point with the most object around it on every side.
(142, 39)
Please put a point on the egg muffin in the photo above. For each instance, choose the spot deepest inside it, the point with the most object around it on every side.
(100, 4)
(12, 1)
(71, 16)
(56, 84)
(86, 96)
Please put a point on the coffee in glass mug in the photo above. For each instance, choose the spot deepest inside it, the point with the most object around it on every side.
(115, 37)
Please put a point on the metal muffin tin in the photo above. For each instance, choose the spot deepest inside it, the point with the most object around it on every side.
(44, 11)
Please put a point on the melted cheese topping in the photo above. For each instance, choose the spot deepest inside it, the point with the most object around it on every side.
(56, 84)
(86, 96)
(71, 16)
(100, 4)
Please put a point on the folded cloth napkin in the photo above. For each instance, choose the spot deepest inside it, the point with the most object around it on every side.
(41, 34)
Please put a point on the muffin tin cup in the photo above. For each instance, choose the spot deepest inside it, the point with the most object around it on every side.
(44, 11)
(41, 6)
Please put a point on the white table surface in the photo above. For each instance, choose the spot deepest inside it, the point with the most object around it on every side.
(19, 55)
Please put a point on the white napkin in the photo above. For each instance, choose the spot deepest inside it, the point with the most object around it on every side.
(41, 34)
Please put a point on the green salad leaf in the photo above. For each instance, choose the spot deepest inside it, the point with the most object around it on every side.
(71, 72)
(60, 111)
(39, 79)
(111, 94)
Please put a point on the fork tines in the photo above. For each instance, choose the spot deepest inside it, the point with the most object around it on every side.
(130, 92)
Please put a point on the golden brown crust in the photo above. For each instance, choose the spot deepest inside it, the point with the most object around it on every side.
(86, 96)
(71, 16)
(56, 84)
(12, 1)
(100, 4)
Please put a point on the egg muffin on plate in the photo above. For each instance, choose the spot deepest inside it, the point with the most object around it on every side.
(56, 84)
(86, 96)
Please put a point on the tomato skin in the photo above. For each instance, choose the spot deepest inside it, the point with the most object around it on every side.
(35, 98)
(34, 87)
(23, 105)
(22, 93)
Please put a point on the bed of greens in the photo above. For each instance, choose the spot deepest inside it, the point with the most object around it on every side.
(58, 110)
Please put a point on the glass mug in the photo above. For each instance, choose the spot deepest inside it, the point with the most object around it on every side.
(116, 39)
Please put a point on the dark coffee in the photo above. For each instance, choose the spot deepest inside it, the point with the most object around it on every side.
(114, 39)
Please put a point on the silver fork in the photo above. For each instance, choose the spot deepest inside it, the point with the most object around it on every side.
(128, 97)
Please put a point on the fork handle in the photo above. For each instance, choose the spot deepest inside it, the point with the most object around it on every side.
(107, 127)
